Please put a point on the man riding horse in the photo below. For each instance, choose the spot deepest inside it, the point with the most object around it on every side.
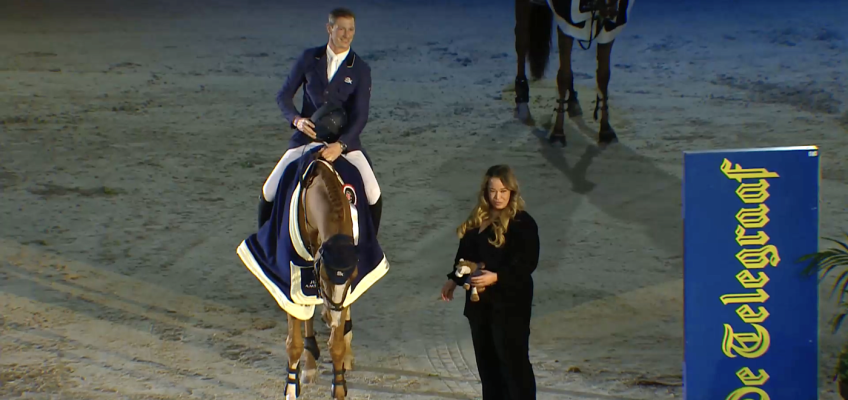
(336, 84)
(315, 244)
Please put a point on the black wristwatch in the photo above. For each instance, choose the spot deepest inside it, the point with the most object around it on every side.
(344, 146)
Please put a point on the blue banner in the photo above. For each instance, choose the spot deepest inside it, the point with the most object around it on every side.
(750, 315)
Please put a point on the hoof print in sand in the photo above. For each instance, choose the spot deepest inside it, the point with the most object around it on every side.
(804, 96)
(49, 190)
(242, 353)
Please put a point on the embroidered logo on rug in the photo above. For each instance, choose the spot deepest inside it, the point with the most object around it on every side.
(350, 194)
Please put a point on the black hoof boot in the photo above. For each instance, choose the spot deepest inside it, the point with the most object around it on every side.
(339, 381)
(558, 135)
(522, 100)
(293, 380)
(311, 345)
(606, 135)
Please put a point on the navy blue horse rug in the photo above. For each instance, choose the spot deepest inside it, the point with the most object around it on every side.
(277, 256)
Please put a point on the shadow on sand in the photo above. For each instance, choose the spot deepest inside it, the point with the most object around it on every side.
(615, 179)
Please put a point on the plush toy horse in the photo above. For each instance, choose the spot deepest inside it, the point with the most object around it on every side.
(466, 270)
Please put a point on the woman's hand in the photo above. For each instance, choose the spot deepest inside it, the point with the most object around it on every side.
(486, 278)
(447, 290)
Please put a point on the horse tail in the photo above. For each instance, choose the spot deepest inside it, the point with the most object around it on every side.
(540, 26)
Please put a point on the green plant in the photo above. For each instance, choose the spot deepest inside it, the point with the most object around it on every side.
(842, 365)
(832, 261)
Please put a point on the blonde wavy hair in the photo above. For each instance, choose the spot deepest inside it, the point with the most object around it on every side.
(481, 213)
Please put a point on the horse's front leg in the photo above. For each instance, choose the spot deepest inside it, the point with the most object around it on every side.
(606, 134)
(337, 353)
(313, 354)
(565, 88)
(348, 338)
(294, 348)
(522, 46)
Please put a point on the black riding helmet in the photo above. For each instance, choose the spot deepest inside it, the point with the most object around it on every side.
(329, 120)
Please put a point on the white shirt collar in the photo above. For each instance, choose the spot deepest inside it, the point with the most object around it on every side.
(336, 57)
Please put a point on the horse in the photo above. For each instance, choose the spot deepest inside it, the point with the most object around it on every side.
(326, 224)
(318, 247)
(582, 20)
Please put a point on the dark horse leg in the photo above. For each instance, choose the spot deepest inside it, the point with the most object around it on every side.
(522, 43)
(606, 134)
(567, 100)
(533, 21)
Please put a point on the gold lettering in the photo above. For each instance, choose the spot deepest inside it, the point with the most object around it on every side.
(760, 297)
(749, 379)
(738, 173)
(753, 192)
(759, 239)
(746, 278)
(753, 217)
(750, 317)
(759, 258)
(743, 392)
(750, 345)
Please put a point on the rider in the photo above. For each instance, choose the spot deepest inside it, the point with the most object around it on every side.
(335, 80)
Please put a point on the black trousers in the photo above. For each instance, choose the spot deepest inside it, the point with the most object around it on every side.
(501, 346)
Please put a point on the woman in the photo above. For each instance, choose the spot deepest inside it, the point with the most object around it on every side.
(504, 240)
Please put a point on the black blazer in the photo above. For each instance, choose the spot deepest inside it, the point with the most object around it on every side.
(350, 87)
(514, 263)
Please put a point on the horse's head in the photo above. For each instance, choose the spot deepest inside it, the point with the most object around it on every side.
(335, 269)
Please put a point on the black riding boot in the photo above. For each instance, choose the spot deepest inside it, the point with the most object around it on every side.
(264, 210)
(376, 214)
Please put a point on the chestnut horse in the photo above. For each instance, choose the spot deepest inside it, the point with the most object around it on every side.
(326, 226)
(584, 20)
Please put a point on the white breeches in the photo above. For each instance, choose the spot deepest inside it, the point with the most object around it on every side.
(372, 188)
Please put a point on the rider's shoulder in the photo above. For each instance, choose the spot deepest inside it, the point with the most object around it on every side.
(360, 62)
(312, 53)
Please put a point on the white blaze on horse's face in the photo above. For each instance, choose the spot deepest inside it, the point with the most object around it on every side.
(337, 296)
(498, 194)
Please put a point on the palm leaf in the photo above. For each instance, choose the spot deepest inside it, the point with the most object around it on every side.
(833, 260)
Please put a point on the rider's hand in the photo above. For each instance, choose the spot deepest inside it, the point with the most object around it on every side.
(332, 151)
(447, 290)
(305, 125)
